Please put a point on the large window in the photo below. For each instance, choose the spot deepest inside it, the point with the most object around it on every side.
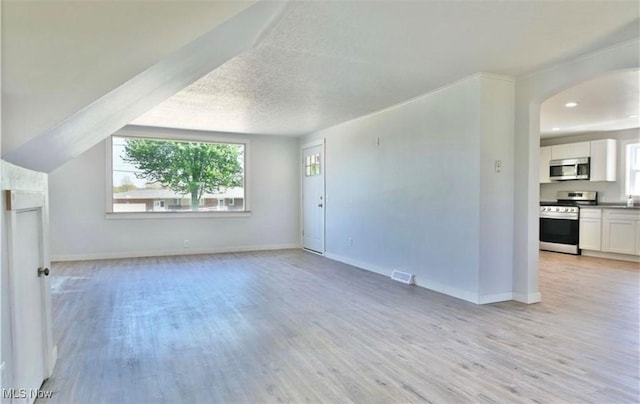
(632, 169)
(176, 175)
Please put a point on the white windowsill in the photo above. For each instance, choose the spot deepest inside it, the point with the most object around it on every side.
(174, 215)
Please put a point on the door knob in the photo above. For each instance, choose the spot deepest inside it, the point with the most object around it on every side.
(42, 271)
(319, 205)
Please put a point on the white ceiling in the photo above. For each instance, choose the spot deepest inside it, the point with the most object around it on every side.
(328, 62)
(60, 56)
(609, 102)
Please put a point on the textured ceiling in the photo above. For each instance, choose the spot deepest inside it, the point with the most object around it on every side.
(329, 62)
(609, 102)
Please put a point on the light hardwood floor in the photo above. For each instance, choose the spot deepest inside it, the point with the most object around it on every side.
(289, 326)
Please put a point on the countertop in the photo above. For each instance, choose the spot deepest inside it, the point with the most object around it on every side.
(602, 205)
(608, 205)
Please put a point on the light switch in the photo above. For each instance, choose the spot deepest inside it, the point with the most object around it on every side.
(498, 166)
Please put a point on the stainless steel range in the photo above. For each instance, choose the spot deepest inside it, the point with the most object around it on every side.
(559, 221)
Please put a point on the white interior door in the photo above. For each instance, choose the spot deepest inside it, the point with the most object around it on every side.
(28, 346)
(313, 198)
(30, 327)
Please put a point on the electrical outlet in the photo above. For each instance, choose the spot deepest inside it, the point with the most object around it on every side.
(186, 244)
(350, 242)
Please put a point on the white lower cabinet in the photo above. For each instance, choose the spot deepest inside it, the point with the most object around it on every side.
(590, 229)
(621, 231)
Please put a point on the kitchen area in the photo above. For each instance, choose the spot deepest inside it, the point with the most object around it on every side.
(590, 169)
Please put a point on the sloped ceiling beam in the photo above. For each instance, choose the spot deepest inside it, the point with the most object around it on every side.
(100, 119)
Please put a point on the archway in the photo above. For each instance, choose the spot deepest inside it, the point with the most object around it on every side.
(531, 91)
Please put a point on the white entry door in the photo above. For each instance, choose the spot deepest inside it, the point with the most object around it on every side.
(313, 198)
(30, 330)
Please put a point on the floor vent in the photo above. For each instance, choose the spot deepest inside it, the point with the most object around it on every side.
(403, 277)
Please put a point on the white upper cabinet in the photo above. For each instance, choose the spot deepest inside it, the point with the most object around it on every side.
(603, 160)
(570, 150)
(545, 156)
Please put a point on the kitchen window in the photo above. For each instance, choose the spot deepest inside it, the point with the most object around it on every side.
(632, 171)
(169, 177)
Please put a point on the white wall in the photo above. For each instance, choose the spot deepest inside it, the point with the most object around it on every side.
(79, 229)
(415, 202)
(496, 189)
(531, 91)
(607, 191)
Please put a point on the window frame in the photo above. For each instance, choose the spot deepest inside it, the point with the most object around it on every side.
(180, 135)
(626, 166)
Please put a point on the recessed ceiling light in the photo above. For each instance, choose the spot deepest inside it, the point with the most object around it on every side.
(571, 104)
(555, 129)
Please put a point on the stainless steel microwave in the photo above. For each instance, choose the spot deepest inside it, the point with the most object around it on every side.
(569, 169)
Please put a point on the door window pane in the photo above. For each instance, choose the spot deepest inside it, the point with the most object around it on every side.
(312, 165)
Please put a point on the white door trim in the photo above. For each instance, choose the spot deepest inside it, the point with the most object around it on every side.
(16, 202)
(320, 142)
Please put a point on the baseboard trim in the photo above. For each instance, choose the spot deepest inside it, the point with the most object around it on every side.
(447, 290)
(163, 253)
(358, 264)
(612, 256)
(528, 298)
(495, 298)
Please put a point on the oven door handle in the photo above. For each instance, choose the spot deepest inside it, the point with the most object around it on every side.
(562, 216)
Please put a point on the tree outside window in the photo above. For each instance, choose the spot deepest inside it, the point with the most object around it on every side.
(150, 172)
